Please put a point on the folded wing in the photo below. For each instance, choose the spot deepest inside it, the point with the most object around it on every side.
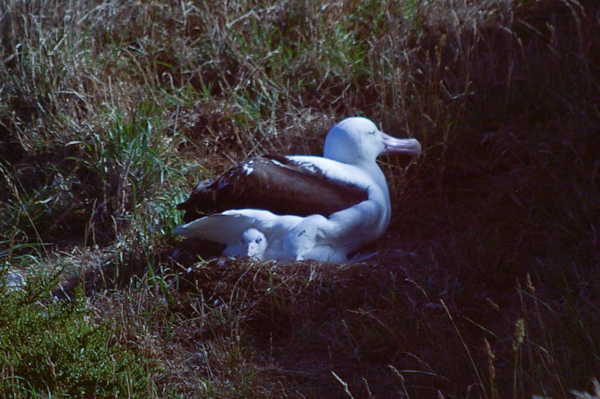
(273, 183)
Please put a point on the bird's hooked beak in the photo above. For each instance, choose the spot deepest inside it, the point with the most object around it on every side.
(393, 145)
(252, 249)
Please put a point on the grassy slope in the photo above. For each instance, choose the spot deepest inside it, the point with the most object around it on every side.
(488, 280)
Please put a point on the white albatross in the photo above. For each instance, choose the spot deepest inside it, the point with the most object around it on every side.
(307, 207)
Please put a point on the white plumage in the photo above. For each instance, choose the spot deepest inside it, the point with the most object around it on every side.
(351, 149)
(252, 244)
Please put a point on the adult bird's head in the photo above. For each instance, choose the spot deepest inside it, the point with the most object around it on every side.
(357, 141)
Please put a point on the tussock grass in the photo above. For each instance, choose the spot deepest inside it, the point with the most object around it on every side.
(487, 280)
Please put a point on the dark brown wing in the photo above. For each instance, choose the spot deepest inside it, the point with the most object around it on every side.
(273, 183)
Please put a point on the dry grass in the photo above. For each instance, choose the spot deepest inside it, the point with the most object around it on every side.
(487, 283)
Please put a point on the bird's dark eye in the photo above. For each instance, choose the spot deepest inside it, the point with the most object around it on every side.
(373, 132)
(259, 240)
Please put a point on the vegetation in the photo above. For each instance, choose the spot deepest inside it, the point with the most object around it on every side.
(52, 349)
(487, 283)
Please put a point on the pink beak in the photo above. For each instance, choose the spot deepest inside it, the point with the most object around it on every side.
(401, 146)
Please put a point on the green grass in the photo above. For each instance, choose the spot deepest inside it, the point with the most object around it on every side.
(488, 280)
(58, 349)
